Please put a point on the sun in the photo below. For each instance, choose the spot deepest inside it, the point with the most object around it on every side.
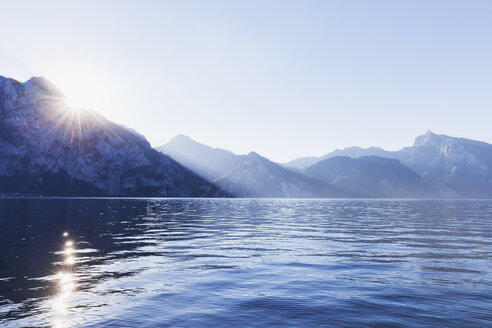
(82, 94)
(85, 88)
(77, 103)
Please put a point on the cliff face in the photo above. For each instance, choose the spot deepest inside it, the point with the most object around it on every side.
(46, 148)
(458, 167)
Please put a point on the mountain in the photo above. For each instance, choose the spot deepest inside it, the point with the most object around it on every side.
(46, 148)
(434, 166)
(458, 167)
(257, 176)
(455, 167)
(210, 163)
(242, 175)
(353, 152)
(370, 176)
(303, 162)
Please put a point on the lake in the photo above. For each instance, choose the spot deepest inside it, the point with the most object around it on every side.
(245, 263)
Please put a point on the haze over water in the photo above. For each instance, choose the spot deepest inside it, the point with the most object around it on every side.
(245, 262)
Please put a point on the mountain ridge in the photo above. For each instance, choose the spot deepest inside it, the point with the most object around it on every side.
(208, 162)
(257, 176)
(448, 167)
(370, 177)
(49, 149)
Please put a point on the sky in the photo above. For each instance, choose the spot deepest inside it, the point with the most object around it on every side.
(282, 78)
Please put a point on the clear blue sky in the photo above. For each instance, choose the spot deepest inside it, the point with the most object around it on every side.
(283, 78)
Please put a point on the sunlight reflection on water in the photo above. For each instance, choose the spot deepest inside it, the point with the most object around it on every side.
(66, 286)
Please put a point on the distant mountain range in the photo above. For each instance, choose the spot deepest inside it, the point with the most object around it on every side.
(436, 166)
(48, 149)
(51, 150)
(257, 176)
(455, 167)
(370, 176)
(352, 152)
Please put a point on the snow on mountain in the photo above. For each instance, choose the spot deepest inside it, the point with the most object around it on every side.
(46, 148)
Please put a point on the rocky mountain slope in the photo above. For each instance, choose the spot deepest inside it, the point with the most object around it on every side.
(47, 148)
(458, 167)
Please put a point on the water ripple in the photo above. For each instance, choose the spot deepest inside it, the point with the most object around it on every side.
(249, 263)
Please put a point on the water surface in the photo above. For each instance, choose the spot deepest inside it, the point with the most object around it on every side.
(246, 263)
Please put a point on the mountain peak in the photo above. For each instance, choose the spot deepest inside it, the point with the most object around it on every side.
(208, 162)
(181, 138)
(37, 80)
(46, 153)
(429, 139)
(40, 83)
(255, 157)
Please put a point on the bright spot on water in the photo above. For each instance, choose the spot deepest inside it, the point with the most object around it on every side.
(64, 277)
(68, 287)
(60, 302)
(59, 323)
(70, 260)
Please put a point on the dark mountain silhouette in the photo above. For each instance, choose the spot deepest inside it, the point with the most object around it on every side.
(47, 148)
